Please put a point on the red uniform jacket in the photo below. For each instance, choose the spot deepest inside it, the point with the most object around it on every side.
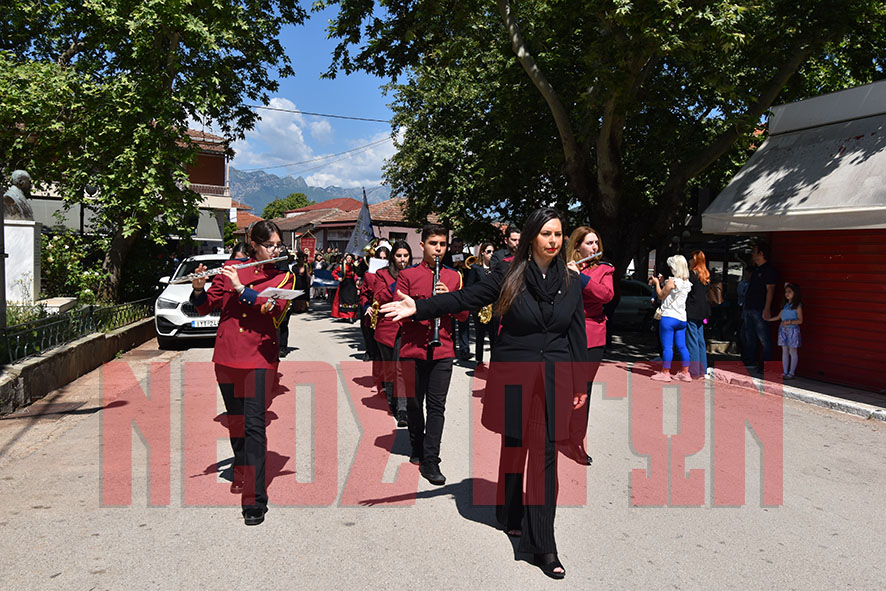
(384, 290)
(417, 282)
(596, 290)
(367, 288)
(246, 338)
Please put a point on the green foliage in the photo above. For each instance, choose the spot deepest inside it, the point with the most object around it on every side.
(20, 313)
(278, 207)
(612, 109)
(229, 238)
(100, 93)
(71, 265)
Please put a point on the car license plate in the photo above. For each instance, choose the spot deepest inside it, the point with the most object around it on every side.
(204, 322)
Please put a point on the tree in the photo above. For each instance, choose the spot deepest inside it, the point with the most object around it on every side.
(101, 93)
(613, 109)
(278, 207)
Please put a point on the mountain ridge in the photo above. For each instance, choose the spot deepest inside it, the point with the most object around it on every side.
(258, 188)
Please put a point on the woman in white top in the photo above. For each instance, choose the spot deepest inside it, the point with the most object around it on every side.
(673, 317)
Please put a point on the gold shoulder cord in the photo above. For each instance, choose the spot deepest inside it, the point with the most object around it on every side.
(279, 321)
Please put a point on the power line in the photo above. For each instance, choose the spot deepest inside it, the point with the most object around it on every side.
(319, 114)
(357, 149)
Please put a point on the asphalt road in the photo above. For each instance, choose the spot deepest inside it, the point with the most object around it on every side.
(370, 522)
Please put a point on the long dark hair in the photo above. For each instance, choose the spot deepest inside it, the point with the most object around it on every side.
(392, 264)
(513, 282)
(797, 296)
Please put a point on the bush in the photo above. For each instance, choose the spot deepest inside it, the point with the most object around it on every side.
(72, 265)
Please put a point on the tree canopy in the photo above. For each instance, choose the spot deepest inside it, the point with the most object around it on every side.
(278, 207)
(101, 94)
(611, 109)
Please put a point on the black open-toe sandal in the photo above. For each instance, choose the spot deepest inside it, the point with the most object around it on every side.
(548, 563)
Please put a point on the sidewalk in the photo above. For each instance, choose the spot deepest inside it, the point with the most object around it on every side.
(638, 346)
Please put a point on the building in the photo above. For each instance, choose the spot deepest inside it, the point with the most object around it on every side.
(208, 176)
(816, 190)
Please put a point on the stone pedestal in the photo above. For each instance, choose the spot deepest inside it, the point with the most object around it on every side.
(22, 243)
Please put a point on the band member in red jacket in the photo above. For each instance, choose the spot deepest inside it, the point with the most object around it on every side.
(597, 290)
(245, 356)
(433, 365)
(387, 332)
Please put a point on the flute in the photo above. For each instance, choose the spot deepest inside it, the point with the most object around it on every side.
(596, 255)
(217, 270)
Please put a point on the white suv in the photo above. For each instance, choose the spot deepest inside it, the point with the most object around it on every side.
(174, 316)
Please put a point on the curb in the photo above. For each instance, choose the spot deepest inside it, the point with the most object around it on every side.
(35, 377)
(866, 411)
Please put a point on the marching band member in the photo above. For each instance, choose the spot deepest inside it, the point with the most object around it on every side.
(597, 290)
(433, 365)
(245, 356)
(542, 324)
(387, 333)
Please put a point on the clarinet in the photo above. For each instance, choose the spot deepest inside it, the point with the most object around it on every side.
(435, 336)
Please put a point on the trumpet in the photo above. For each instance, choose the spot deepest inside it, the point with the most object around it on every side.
(211, 272)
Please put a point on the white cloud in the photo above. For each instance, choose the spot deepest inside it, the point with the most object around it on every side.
(361, 168)
(281, 138)
(321, 130)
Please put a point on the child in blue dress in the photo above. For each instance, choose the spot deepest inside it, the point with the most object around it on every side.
(791, 317)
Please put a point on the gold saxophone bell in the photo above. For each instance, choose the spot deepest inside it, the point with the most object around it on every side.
(471, 260)
(373, 314)
(485, 314)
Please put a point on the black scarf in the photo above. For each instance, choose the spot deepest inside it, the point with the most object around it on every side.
(545, 289)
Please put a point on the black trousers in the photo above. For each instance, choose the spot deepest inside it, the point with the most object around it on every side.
(578, 422)
(426, 428)
(391, 374)
(245, 394)
(535, 514)
(481, 332)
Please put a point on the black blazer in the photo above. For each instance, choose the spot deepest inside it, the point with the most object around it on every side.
(526, 337)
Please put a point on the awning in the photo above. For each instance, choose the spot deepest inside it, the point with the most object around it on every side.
(831, 177)
(209, 229)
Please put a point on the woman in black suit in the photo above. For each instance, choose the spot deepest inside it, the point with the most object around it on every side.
(542, 324)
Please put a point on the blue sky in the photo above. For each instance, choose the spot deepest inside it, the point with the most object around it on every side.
(283, 138)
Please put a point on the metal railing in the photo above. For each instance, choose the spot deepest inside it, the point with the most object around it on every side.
(24, 340)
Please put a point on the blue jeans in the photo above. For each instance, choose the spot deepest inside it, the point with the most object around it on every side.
(754, 334)
(698, 354)
(668, 330)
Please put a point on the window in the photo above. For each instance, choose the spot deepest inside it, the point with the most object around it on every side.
(395, 236)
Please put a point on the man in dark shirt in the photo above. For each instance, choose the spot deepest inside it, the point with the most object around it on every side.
(755, 331)
(512, 238)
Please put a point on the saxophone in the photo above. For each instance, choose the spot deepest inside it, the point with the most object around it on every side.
(485, 313)
(373, 314)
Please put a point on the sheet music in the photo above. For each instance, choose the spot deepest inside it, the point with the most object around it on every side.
(280, 294)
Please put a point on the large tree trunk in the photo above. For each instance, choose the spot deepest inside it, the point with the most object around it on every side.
(115, 258)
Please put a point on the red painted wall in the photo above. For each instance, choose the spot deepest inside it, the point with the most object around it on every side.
(842, 275)
(208, 170)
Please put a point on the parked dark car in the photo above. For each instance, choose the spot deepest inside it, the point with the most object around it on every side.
(636, 306)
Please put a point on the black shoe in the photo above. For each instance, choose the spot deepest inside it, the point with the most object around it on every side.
(431, 473)
(254, 516)
(577, 453)
(237, 487)
(402, 420)
(414, 460)
(548, 562)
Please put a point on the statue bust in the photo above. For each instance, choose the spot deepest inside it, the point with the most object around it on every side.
(16, 197)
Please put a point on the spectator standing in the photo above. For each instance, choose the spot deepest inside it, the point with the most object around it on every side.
(672, 326)
(757, 306)
(791, 317)
(698, 311)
